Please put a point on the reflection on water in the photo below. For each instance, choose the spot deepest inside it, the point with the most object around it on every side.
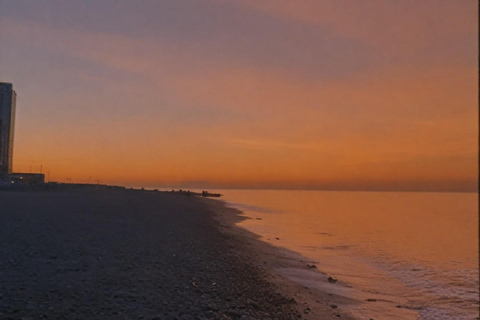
(415, 254)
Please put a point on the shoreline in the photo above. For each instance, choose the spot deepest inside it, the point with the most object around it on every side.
(282, 265)
(387, 278)
(123, 254)
(116, 254)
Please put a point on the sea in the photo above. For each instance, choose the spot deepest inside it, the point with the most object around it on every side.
(402, 255)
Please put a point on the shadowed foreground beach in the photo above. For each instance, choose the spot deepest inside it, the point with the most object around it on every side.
(118, 254)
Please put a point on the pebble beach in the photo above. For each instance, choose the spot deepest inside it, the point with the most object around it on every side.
(123, 254)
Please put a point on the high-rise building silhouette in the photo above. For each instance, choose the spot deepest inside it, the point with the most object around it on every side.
(8, 99)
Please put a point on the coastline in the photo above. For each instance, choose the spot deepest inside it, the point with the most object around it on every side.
(282, 266)
(117, 254)
(386, 273)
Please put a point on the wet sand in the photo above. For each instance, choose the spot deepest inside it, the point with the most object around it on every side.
(121, 254)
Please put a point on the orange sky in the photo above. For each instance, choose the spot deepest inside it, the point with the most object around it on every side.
(268, 94)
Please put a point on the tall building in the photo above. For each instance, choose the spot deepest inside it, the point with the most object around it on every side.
(8, 98)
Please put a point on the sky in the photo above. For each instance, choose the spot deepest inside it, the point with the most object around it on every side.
(309, 94)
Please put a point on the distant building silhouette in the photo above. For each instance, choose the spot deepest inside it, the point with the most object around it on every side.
(8, 99)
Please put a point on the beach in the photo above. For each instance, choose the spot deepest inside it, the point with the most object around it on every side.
(128, 254)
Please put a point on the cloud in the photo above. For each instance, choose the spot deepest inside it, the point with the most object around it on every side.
(412, 32)
(236, 109)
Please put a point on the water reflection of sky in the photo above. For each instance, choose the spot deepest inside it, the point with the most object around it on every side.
(411, 248)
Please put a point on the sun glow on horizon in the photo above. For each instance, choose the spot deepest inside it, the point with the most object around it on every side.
(268, 94)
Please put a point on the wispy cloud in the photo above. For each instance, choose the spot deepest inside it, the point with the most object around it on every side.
(272, 144)
(246, 90)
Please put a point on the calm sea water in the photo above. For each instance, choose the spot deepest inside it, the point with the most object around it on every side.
(416, 254)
